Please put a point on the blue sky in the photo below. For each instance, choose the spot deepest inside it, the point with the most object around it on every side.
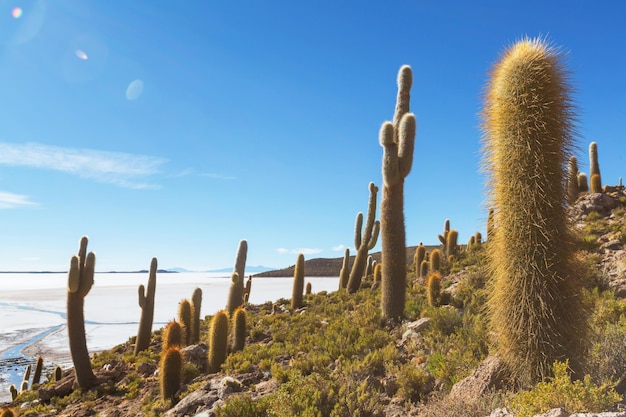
(175, 129)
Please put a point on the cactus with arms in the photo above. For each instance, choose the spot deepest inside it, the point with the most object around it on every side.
(146, 303)
(365, 242)
(397, 140)
(79, 282)
(235, 295)
(535, 305)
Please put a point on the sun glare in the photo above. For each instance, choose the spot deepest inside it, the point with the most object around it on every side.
(16, 12)
(81, 55)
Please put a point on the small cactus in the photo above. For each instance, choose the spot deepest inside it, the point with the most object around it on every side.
(446, 229)
(27, 373)
(595, 184)
(424, 268)
(24, 386)
(451, 243)
(196, 306)
(79, 282)
(298, 283)
(218, 341)
(433, 289)
(146, 303)
(172, 335)
(478, 238)
(184, 318)
(58, 373)
(13, 392)
(594, 167)
(344, 273)
(364, 243)
(170, 372)
(38, 370)
(377, 275)
(420, 255)
(235, 295)
(583, 185)
(239, 330)
(247, 289)
(308, 289)
(435, 260)
(572, 180)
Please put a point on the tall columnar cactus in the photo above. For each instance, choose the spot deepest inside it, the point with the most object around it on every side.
(13, 392)
(146, 303)
(572, 180)
(452, 243)
(170, 373)
(172, 335)
(58, 373)
(298, 283)
(583, 185)
(446, 229)
(247, 289)
(594, 166)
(37, 372)
(344, 273)
(79, 282)
(184, 318)
(235, 296)
(420, 255)
(308, 288)
(364, 243)
(239, 330)
(377, 275)
(218, 341)
(196, 307)
(435, 260)
(433, 289)
(27, 373)
(397, 140)
(424, 269)
(535, 306)
(478, 238)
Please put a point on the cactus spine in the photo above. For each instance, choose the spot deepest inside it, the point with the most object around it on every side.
(433, 289)
(595, 183)
(235, 296)
(572, 180)
(218, 341)
(239, 330)
(170, 372)
(184, 318)
(344, 273)
(364, 243)
(79, 282)
(535, 306)
(397, 140)
(172, 335)
(298, 283)
(594, 167)
(146, 303)
(196, 306)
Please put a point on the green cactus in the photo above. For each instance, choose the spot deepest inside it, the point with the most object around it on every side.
(172, 335)
(146, 303)
(27, 373)
(298, 283)
(583, 185)
(247, 289)
(364, 243)
(235, 295)
(424, 269)
(38, 370)
(433, 289)
(420, 255)
(308, 288)
(478, 238)
(170, 373)
(184, 318)
(452, 246)
(435, 260)
(344, 273)
(58, 373)
(397, 140)
(13, 392)
(595, 184)
(239, 330)
(79, 282)
(572, 180)
(594, 167)
(218, 341)
(446, 229)
(196, 306)
(377, 275)
(535, 303)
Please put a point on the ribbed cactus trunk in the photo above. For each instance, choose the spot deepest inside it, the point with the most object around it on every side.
(235, 296)
(594, 166)
(535, 306)
(196, 306)
(298, 283)
(146, 302)
(344, 273)
(80, 281)
(397, 140)
(572, 180)
(365, 242)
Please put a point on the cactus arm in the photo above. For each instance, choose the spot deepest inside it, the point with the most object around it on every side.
(73, 277)
(142, 296)
(368, 239)
(391, 174)
(403, 99)
(375, 233)
(146, 302)
(358, 225)
(408, 126)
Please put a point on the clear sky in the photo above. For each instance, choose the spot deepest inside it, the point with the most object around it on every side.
(176, 128)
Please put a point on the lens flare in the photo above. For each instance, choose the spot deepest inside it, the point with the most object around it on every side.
(16, 12)
(81, 55)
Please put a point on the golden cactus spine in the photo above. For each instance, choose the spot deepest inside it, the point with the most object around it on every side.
(535, 306)
(79, 282)
(397, 140)
(298, 283)
(364, 243)
(196, 307)
(433, 289)
(172, 335)
(170, 373)
(435, 260)
(344, 273)
(184, 318)
(452, 243)
(146, 303)
(218, 341)
(595, 184)
(235, 295)
(239, 330)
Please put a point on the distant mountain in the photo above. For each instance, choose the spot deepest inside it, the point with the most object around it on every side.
(256, 269)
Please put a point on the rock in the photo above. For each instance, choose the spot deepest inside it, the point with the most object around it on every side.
(501, 412)
(264, 388)
(227, 386)
(198, 355)
(419, 325)
(489, 375)
(555, 412)
(201, 399)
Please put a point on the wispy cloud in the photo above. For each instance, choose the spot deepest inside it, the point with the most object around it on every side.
(10, 200)
(304, 251)
(122, 169)
(339, 248)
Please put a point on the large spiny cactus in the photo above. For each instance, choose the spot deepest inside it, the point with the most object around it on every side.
(146, 303)
(79, 282)
(594, 166)
(235, 296)
(397, 140)
(535, 306)
(365, 242)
